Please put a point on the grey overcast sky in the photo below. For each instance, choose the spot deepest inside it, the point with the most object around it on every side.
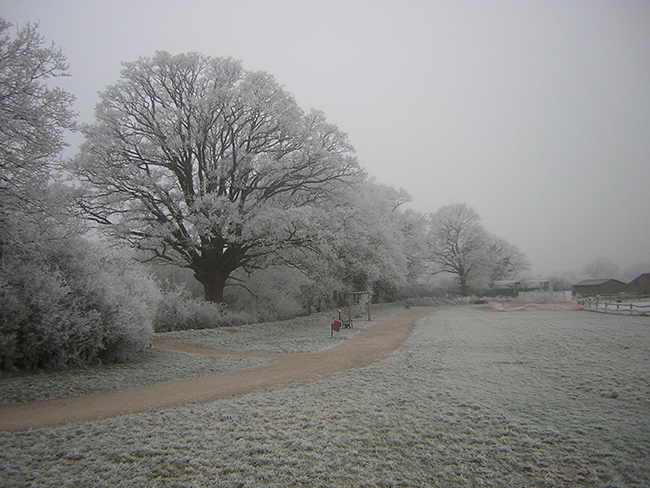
(534, 113)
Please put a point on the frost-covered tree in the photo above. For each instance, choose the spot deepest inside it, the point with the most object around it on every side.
(63, 300)
(33, 120)
(205, 165)
(369, 248)
(373, 241)
(505, 259)
(366, 242)
(602, 268)
(457, 243)
(378, 250)
(413, 232)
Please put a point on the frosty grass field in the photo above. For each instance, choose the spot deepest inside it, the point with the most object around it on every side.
(474, 397)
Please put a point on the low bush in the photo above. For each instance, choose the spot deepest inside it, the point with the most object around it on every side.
(69, 302)
(270, 294)
(179, 310)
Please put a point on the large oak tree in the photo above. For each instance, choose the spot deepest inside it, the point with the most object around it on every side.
(460, 245)
(200, 163)
(457, 243)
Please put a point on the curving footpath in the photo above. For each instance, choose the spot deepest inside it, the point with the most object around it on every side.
(375, 343)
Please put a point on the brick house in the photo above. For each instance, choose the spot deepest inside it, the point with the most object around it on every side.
(640, 285)
(598, 287)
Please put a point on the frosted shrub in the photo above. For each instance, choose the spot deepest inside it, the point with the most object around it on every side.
(179, 310)
(267, 306)
(270, 294)
(67, 302)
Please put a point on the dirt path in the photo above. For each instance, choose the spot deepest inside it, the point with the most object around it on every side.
(374, 343)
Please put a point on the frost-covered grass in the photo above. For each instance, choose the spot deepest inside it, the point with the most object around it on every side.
(473, 398)
(150, 366)
(301, 334)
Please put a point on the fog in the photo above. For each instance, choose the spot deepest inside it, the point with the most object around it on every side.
(536, 114)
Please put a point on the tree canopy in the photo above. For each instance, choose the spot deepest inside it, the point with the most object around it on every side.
(198, 162)
(33, 120)
(459, 245)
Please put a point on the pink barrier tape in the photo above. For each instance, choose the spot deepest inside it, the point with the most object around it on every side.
(565, 306)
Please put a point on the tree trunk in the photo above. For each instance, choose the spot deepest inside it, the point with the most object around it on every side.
(463, 287)
(462, 280)
(212, 269)
(213, 286)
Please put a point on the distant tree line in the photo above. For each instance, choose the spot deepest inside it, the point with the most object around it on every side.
(195, 163)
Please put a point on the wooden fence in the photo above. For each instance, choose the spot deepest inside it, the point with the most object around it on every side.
(613, 304)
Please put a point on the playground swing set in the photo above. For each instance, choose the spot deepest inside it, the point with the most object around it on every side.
(354, 300)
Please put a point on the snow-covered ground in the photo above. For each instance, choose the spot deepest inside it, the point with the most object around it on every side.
(302, 334)
(474, 397)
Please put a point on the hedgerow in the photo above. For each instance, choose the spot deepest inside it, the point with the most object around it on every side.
(68, 302)
(179, 310)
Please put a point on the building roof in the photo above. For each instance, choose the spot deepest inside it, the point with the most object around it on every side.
(642, 275)
(505, 284)
(597, 282)
(524, 284)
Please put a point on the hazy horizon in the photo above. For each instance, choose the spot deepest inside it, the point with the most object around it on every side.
(535, 114)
